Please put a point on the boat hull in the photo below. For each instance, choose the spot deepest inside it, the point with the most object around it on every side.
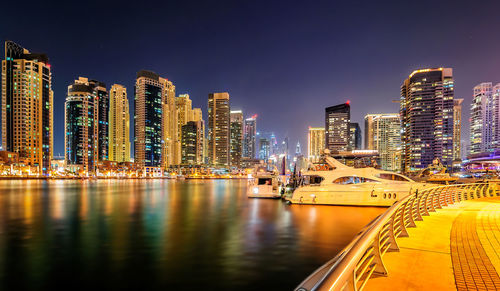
(354, 196)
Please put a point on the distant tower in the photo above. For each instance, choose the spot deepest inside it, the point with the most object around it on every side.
(337, 132)
(27, 106)
(354, 136)
(249, 137)
(457, 128)
(427, 118)
(236, 137)
(192, 143)
(102, 96)
(219, 129)
(298, 150)
(119, 124)
(264, 149)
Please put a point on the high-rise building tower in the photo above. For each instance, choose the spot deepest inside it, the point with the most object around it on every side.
(383, 133)
(148, 121)
(81, 127)
(298, 150)
(354, 136)
(457, 128)
(337, 131)
(219, 129)
(485, 115)
(171, 153)
(250, 137)
(315, 143)
(102, 96)
(236, 137)
(119, 124)
(27, 106)
(192, 143)
(427, 118)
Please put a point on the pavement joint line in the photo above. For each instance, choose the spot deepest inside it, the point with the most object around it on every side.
(424, 250)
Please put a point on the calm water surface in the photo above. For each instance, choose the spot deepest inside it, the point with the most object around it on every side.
(159, 234)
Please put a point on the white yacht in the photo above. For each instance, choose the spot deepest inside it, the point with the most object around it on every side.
(337, 184)
(264, 184)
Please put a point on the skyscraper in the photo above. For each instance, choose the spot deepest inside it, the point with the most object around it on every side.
(81, 127)
(383, 133)
(354, 136)
(298, 149)
(236, 137)
(27, 106)
(485, 114)
(249, 137)
(192, 143)
(148, 119)
(315, 143)
(427, 118)
(171, 153)
(102, 96)
(219, 129)
(337, 132)
(457, 128)
(119, 124)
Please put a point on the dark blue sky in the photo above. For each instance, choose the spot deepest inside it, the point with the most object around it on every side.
(284, 61)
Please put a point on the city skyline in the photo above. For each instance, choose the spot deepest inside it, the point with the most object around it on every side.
(318, 38)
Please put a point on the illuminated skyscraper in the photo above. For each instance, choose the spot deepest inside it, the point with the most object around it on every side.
(102, 96)
(315, 143)
(485, 115)
(249, 137)
(192, 143)
(354, 136)
(236, 137)
(27, 106)
(171, 153)
(457, 128)
(219, 129)
(81, 127)
(427, 118)
(119, 124)
(148, 121)
(337, 132)
(383, 133)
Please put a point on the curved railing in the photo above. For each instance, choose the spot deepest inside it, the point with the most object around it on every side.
(362, 259)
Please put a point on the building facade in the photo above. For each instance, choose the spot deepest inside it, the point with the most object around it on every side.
(383, 134)
(81, 128)
(119, 125)
(427, 118)
(27, 106)
(485, 115)
(236, 150)
(219, 129)
(337, 127)
(148, 121)
(250, 137)
(315, 143)
(264, 149)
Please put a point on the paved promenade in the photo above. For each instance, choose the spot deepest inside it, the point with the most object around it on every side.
(455, 248)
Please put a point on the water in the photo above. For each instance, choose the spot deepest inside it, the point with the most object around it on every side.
(159, 234)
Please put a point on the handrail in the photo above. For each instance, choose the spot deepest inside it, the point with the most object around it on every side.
(362, 259)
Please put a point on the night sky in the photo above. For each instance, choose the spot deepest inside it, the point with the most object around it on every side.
(285, 61)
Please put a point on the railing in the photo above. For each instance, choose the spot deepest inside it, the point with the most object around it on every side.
(362, 259)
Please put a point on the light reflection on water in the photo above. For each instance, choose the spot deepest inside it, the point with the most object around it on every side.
(157, 234)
